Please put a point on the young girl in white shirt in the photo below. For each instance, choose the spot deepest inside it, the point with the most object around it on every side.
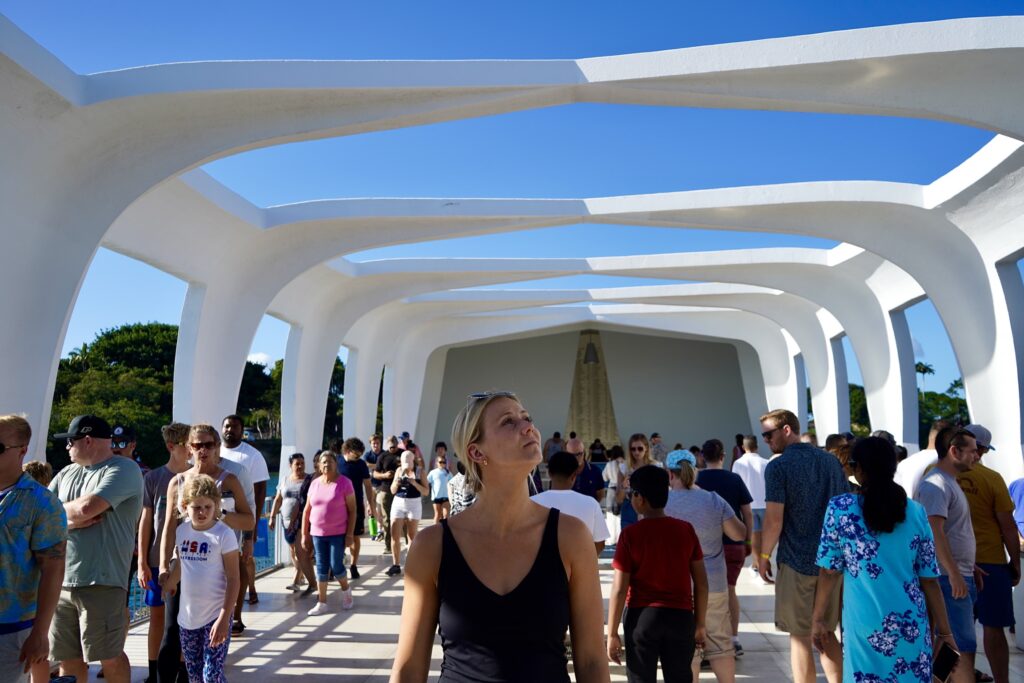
(206, 563)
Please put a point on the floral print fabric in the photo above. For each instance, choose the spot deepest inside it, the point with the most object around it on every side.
(885, 621)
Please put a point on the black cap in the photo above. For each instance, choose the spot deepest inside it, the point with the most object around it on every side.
(123, 433)
(655, 435)
(86, 425)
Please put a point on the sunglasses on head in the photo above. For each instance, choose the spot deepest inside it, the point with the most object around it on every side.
(4, 447)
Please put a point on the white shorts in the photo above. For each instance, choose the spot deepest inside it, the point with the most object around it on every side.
(407, 508)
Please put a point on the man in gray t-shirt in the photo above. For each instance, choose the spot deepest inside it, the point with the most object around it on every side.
(102, 496)
(949, 516)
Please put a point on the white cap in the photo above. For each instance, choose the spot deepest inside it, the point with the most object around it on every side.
(981, 435)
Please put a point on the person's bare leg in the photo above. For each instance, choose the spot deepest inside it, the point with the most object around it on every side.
(397, 529)
(321, 589)
(116, 669)
(357, 544)
(695, 668)
(447, 508)
(437, 512)
(801, 659)
(75, 667)
(964, 672)
(243, 574)
(40, 672)
(156, 632)
(734, 611)
(998, 653)
(832, 661)
(251, 566)
(724, 669)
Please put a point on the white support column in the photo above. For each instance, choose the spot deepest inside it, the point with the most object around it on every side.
(906, 363)
(838, 354)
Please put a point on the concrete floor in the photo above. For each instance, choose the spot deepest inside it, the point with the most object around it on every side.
(281, 642)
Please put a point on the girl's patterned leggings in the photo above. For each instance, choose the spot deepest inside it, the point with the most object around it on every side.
(205, 664)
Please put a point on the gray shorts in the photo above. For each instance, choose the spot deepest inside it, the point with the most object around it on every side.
(10, 649)
(90, 623)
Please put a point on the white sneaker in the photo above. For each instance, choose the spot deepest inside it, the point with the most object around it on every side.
(318, 609)
(293, 587)
(346, 599)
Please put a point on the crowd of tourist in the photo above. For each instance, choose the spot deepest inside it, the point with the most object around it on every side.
(905, 553)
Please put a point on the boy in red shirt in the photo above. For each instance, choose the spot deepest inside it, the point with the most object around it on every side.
(655, 562)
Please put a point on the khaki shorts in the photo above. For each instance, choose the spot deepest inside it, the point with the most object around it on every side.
(718, 642)
(90, 623)
(794, 602)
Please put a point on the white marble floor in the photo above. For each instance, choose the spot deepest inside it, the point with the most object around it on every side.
(282, 643)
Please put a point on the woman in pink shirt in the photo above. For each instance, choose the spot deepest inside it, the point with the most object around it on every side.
(328, 521)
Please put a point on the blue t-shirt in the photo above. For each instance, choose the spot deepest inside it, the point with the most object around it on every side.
(438, 479)
(729, 486)
(357, 472)
(589, 481)
(1017, 495)
(803, 479)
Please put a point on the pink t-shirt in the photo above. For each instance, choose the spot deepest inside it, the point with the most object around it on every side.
(328, 515)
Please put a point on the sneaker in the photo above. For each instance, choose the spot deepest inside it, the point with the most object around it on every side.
(393, 570)
(318, 609)
(293, 587)
(309, 591)
(346, 599)
(353, 573)
(738, 648)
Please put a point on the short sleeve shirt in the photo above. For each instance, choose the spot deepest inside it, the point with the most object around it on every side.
(248, 457)
(941, 496)
(203, 581)
(101, 554)
(1017, 496)
(803, 479)
(750, 468)
(589, 481)
(438, 479)
(730, 487)
(154, 497)
(707, 512)
(357, 472)
(656, 553)
(583, 508)
(328, 512)
(31, 519)
(986, 495)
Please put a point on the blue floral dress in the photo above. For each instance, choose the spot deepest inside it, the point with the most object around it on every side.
(885, 621)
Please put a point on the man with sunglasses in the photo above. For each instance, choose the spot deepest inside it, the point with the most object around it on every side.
(31, 556)
(798, 486)
(102, 497)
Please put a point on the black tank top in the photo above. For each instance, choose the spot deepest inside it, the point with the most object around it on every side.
(491, 638)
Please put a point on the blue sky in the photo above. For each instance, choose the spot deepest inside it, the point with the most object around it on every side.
(571, 151)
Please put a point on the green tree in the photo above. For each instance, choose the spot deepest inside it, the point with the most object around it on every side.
(860, 423)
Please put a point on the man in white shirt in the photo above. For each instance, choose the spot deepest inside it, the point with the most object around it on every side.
(562, 470)
(237, 451)
(910, 472)
(750, 468)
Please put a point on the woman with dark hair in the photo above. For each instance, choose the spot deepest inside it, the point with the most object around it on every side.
(882, 544)
(290, 501)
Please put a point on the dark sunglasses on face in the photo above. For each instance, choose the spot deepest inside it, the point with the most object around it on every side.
(4, 447)
(767, 435)
(207, 445)
(119, 444)
(636, 449)
(73, 439)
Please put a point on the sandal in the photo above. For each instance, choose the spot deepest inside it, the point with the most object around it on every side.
(253, 598)
(982, 677)
(237, 628)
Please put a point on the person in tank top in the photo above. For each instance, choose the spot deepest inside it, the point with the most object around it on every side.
(504, 580)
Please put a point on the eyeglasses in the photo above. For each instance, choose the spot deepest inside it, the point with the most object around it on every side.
(119, 444)
(73, 439)
(637, 449)
(203, 445)
(4, 447)
(767, 435)
(483, 395)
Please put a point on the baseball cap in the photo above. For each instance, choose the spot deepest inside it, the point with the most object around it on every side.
(123, 433)
(674, 458)
(655, 435)
(982, 435)
(86, 425)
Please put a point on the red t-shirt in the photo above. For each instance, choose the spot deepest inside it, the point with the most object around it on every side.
(656, 553)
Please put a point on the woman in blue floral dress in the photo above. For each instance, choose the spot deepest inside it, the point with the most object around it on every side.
(882, 544)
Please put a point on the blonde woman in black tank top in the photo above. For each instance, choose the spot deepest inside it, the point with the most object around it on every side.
(503, 580)
(204, 449)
